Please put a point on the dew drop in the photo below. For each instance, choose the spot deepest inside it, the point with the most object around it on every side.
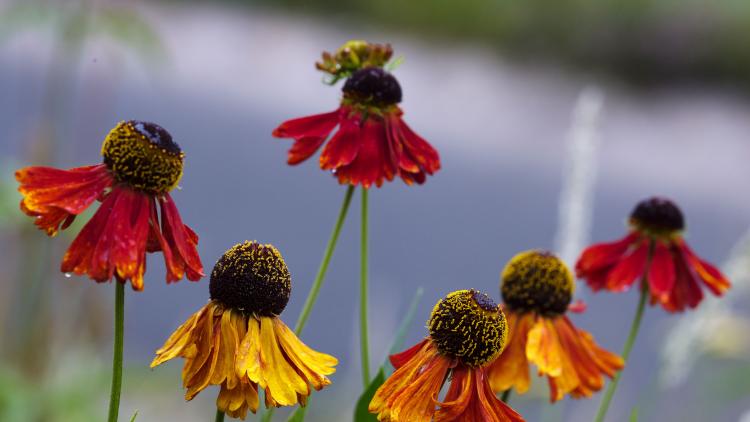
(68, 275)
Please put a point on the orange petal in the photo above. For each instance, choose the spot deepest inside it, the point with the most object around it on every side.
(511, 368)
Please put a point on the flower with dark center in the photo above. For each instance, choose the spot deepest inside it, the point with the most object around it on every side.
(369, 141)
(142, 164)
(467, 331)
(655, 252)
(238, 342)
(537, 288)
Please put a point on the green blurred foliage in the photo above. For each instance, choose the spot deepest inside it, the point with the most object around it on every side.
(640, 40)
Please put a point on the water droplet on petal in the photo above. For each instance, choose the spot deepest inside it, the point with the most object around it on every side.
(68, 275)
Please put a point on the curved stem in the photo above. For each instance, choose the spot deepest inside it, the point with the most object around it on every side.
(634, 327)
(114, 397)
(363, 337)
(506, 395)
(315, 289)
(219, 416)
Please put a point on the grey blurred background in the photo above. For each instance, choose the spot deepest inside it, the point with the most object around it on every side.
(544, 114)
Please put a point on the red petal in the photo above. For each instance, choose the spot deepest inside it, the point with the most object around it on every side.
(343, 146)
(629, 269)
(113, 242)
(309, 133)
(399, 359)
(182, 241)
(53, 195)
(686, 291)
(661, 274)
(603, 255)
(577, 307)
(710, 275)
(371, 164)
(419, 150)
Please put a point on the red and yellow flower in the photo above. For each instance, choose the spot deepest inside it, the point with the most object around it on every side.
(141, 165)
(238, 342)
(371, 142)
(467, 331)
(654, 251)
(537, 288)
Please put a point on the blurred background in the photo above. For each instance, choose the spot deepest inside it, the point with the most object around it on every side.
(552, 120)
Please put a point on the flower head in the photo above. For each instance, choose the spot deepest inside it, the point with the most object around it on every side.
(141, 165)
(467, 330)
(238, 342)
(370, 141)
(654, 251)
(537, 289)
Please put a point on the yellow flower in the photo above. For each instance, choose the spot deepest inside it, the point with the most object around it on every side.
(238, 342)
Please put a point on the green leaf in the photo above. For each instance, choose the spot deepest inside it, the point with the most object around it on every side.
(361, 411)
(135, 415)
(634, 415)
(298, 415)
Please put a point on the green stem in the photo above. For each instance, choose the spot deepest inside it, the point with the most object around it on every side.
(114, 398)
(634, 327)
(315, 289)
(219, 416)
(506, 395)
(363, 340)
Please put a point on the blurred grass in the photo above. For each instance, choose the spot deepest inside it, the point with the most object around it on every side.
(643, 41)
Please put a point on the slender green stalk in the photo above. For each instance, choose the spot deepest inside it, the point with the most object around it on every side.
(363, 340)
(506, 395)
(219, 416)
(315, 289)
(634, 327)
(114, 397)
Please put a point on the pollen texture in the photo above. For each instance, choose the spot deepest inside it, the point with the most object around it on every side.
(252, 278)
(143, 156)
(469, 326)
(372, 87)
(657, 216)
(537, 281)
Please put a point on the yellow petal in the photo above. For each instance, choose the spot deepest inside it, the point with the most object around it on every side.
(282, 381)
(543, 348)
(178, 340)
(248, 355)
(313, 365)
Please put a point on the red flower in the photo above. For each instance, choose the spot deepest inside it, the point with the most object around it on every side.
(141, 165)
(655, 251)
(372, 142)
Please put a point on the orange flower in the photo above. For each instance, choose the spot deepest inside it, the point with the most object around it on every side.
(372, 142)
(467, 330)
(141, 165)
(654, 251)
(238, 342)
(537, 288)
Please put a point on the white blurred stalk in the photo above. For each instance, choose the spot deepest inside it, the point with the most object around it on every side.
(579, 176)
(697, 331)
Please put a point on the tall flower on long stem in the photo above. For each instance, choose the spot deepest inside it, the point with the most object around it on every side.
(238, 342)
(467, 331)
(368, 143)
(142, 164)
(655, 252)
(537, 288)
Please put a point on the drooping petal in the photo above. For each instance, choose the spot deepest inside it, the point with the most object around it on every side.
(625, 273)
(603, 256)
(686, 292)
(308, 132)
(587, 363)
(419, 150)
(179, 340)
(710, 275)
(282, 383)
(411, 392)
(661, 274)
(470, 399)
(399, 359)
(113, 242)
(511, 368)
(182, 242)
(54, 196)
(372, 164)
(543, 348)
(344, 146)
(312, 365)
